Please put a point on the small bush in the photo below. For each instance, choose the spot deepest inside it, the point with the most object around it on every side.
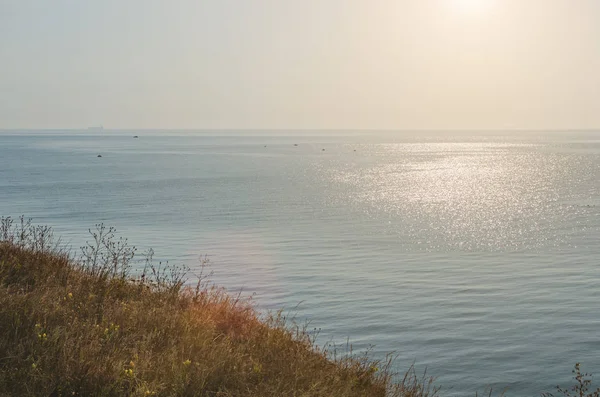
(581, 388)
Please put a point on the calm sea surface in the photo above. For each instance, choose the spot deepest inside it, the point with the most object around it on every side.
(477, 257)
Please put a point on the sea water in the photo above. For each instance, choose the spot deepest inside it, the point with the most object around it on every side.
(474, 255)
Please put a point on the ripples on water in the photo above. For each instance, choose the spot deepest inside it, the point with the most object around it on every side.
(473, 256)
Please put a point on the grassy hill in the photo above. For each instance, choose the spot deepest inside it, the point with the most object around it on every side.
(89, 325)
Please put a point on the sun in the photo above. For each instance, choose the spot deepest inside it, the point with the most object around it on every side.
(470, 6)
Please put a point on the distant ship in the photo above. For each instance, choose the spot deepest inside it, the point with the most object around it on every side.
(96, 128)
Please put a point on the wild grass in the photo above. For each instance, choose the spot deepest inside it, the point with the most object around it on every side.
(87, 324)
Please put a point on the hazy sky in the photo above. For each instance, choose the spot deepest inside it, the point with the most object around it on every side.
(361, 64)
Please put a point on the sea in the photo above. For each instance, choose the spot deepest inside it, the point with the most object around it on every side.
(474, 255)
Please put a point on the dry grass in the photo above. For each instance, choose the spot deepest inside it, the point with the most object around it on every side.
(84, 326)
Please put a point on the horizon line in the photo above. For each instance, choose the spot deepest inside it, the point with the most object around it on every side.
(574, 129)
